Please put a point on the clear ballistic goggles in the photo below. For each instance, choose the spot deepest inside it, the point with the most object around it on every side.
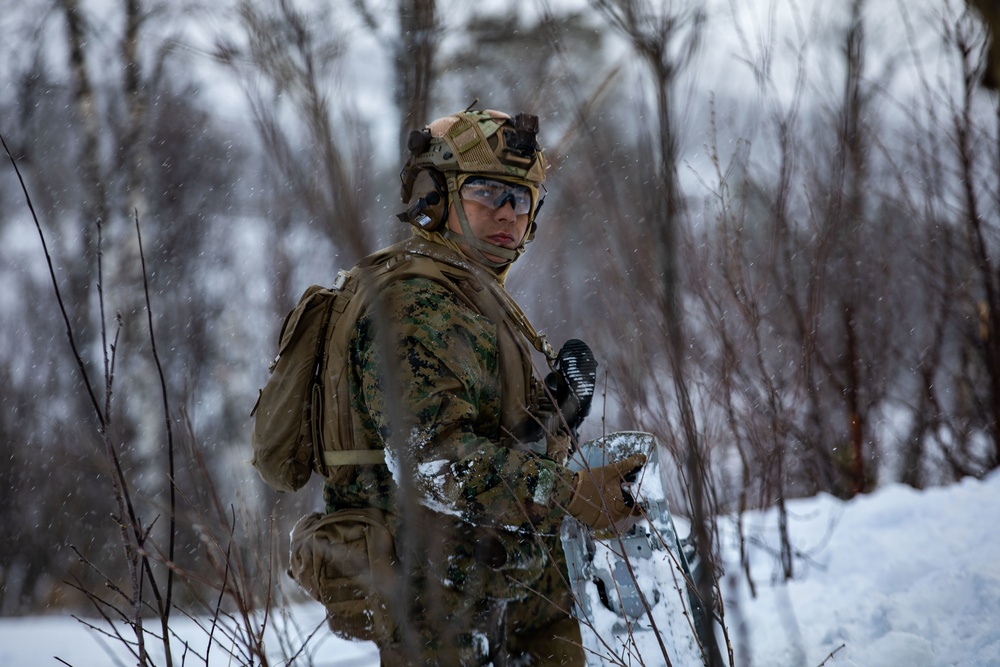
(495, 194)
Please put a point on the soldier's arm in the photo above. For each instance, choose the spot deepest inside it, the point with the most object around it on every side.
(447, 433)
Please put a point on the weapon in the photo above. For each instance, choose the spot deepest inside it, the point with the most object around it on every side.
(633, 592)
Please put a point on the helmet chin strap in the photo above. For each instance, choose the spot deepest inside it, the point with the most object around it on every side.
(469, 240)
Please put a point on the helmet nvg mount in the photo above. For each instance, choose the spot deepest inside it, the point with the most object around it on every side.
(471, 143)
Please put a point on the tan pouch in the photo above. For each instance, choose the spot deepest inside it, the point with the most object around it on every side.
(345, 560)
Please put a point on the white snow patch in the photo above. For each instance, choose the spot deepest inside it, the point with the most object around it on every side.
(898, 577)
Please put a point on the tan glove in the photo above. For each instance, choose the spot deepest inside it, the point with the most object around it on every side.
(598, 497)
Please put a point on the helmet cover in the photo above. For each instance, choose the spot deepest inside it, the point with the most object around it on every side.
(487, 143)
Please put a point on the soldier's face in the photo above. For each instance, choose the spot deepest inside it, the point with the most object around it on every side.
(499, 226)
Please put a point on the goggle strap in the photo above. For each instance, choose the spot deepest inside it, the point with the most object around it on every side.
(479, 247)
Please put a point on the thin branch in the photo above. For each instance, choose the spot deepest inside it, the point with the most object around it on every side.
(55, 285)
(172, 530)
(830, 657)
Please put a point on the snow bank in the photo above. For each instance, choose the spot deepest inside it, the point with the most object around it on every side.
(896, 578)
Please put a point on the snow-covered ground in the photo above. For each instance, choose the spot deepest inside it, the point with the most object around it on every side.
(896, 578)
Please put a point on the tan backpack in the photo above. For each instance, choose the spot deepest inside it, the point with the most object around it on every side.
(307, 391)
(289, 411)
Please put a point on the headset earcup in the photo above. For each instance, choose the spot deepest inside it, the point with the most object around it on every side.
(439, 211)
(428, 204)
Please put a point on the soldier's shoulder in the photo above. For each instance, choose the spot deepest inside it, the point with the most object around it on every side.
(410, 295)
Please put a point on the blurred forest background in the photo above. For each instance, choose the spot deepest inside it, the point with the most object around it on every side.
(776, 221)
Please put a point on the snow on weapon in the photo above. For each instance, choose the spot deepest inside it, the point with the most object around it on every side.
(633, 591)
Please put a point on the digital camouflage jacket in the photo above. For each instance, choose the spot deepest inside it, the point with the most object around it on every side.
(426, 384)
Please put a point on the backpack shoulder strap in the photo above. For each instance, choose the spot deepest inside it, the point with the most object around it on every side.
(356, 290)
(521, 393)
(472, 275)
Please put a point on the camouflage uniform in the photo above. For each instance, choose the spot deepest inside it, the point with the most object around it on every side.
(475, 516)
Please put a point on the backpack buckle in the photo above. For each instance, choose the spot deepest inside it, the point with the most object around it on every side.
(340, 280)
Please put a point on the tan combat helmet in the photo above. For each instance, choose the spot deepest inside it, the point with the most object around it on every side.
(468, 144)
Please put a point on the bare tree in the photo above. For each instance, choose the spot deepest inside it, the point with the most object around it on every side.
(294, 53)
(990, 72)
(666, 40)
(977, 174)
(414, 50)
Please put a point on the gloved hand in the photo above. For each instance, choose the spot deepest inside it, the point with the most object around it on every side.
(572, 381)
(599, 497)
